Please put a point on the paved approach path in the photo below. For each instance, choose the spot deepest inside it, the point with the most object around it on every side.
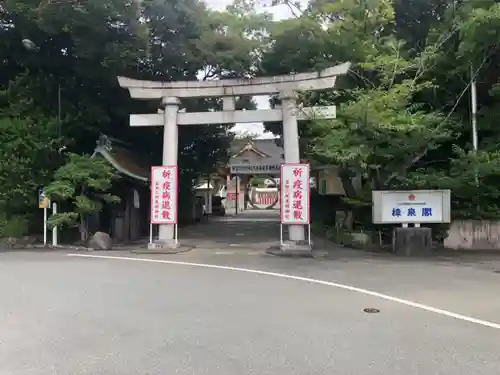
(127, 314)
(249, 230)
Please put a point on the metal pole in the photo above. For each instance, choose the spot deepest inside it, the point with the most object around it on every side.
(473, 95)
(237, 195)
(45, 226)
(208, 203)
(176, 234)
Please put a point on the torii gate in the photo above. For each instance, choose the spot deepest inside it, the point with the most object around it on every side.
(286, 86)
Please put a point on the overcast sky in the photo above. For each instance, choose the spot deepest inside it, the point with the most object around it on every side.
(279, 12)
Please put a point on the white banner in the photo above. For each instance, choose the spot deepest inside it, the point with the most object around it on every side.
(295, 194)
(164, 195)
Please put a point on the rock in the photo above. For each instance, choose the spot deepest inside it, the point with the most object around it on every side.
(101, 241)
(360, 240)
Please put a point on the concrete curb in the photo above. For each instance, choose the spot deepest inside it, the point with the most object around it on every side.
(179, 250)
(297, 253)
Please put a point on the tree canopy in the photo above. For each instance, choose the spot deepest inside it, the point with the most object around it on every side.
(403, 109)
(403, 116)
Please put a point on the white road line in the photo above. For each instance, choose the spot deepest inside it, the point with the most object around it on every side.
(307, 279)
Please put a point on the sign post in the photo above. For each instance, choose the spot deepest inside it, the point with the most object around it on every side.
(411, 207)
(44, 203)
(164, 199)
(414, 207)
(295, 199)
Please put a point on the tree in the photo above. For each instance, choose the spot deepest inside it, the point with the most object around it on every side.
(473, 179)
(403, 108)
(29, 155)
(83, 46)
(85, 183)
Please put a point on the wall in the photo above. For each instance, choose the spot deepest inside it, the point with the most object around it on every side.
(473, 235)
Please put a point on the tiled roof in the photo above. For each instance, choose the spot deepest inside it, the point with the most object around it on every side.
(125, 161)
(130, 162)
(265, 146)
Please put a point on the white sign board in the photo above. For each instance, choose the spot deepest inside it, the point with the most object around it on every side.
(295, 194)
(164, 195)
(411, 207)
(254, 168)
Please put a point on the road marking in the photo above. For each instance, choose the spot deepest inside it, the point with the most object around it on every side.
(307, 279)
(224, 252)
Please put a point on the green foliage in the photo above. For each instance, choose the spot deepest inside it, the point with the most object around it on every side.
(81, 47)
(29, 155)
(14, 226)
(378, 132)
(403, 109)
(403, 113)
(474, 181)
(85, 182)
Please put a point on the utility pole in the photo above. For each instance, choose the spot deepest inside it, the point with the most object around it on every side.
(473, 97)
(473, 115)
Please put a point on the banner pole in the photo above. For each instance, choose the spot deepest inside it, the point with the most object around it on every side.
(45, 226)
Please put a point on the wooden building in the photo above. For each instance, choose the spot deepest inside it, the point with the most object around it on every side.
(128, 220)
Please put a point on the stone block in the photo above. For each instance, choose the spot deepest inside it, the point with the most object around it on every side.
(412, 241)
(100, 241)
(360, 240)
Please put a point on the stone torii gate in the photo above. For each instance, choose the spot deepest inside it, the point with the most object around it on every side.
(285, 86)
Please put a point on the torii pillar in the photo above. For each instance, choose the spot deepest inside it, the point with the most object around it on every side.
(166, 233)
(286, 86)
(291, 147)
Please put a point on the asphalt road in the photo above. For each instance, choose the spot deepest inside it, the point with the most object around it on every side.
(75, 315)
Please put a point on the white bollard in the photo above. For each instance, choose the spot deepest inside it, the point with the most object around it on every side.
(54, 230)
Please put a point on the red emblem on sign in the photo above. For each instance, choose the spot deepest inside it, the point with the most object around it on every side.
(411, 197)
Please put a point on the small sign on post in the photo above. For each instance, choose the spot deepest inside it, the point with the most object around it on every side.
(411, 207)
(163, 197)
(43, 202)
(295, 196)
